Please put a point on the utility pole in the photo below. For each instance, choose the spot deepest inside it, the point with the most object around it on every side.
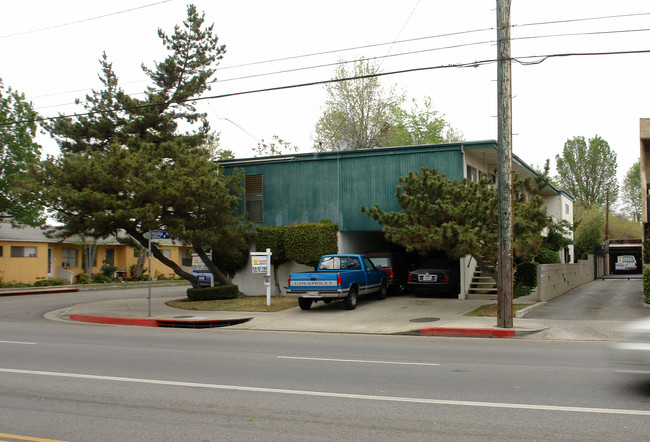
(504, 86)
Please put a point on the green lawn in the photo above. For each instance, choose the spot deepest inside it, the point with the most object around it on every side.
(240, 304)
(491, 310)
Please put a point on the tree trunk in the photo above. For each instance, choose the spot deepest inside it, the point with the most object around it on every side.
(216, 273)
(139, 237)
(142, 255)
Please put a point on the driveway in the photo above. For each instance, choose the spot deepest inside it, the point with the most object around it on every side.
(609, 299)
(592, 312)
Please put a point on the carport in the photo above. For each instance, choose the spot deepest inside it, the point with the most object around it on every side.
(620, 247)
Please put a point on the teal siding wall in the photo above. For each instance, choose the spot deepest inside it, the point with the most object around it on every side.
(334, 185)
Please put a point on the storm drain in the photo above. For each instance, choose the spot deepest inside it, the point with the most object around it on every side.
(198, 322)
(425, 320)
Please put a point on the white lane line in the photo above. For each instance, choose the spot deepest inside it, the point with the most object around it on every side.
(360, 361)
(365, 397)
(17, 342)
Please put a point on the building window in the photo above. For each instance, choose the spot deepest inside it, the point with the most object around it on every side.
(0, 250)
(472, 174)
(167, 253)
(186, 259)
(69, 257)
(566, 209)
(254, 198)
(109, 257)
(23, 252)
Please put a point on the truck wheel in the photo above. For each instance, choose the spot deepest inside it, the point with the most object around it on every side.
(383, 290)
(304, 303)
(350, 301)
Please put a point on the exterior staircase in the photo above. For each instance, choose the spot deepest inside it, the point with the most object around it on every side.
(482, 287)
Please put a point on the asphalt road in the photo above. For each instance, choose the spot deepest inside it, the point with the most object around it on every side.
(80, 382)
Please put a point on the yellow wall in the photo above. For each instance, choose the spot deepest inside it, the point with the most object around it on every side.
(23, 269)
(30, 269)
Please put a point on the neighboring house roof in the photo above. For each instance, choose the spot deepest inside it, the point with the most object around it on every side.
(39, 235)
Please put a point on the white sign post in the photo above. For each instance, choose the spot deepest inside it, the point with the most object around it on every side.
(261, 262)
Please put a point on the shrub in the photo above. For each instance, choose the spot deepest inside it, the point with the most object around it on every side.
(547, 256)
(100, 278)
(108, 270)
(48, 282)
(213, 293)
(305, 243)
(646, 285)
(521, 290)
(526, 274)
(81, 278)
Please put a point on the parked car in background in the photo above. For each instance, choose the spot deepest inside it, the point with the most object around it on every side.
(625, 263)
(394, 264)
(435, 276)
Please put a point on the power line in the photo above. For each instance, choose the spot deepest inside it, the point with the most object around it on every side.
(83, 20)
(411, 40)
(473, 64)
(325, 65)
(367, 46)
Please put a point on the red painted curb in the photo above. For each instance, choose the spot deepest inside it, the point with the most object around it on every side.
(469, 332)
(143, 322)
(37, 292)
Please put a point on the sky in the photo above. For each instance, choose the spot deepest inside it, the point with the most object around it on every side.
(49, 50)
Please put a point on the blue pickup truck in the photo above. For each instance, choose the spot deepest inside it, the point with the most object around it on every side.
(338, 277)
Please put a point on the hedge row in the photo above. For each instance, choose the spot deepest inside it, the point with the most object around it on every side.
(303, 243)
(213, 293)
(646, 285)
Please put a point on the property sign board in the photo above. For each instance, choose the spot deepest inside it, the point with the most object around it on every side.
(197, 264)
(260, 264)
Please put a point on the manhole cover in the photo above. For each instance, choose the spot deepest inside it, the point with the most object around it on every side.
(425, 320)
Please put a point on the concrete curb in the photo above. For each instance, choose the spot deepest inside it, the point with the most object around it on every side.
(19, 292)
(524, 311)
(468, 332)
(190, 322)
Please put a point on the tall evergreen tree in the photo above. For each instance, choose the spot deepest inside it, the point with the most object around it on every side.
(460, 217)
(146, 164)
(18, 151)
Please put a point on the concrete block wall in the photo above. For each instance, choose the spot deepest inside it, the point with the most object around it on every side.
(556, 279)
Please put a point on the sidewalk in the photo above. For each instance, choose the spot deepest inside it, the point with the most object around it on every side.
(394, 315)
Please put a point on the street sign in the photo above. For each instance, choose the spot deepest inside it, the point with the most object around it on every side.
(159, 234)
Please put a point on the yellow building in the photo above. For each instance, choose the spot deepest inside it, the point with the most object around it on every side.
(28, 255)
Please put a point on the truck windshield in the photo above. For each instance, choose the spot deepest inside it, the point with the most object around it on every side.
(340, 263)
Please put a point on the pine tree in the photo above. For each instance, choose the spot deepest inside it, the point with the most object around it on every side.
(460, 217)
(147, 164)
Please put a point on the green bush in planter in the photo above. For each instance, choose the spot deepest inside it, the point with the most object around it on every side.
(526, 274)
(213, 293)
(48, 282)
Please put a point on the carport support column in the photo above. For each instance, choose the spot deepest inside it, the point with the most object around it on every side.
(504, 86)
